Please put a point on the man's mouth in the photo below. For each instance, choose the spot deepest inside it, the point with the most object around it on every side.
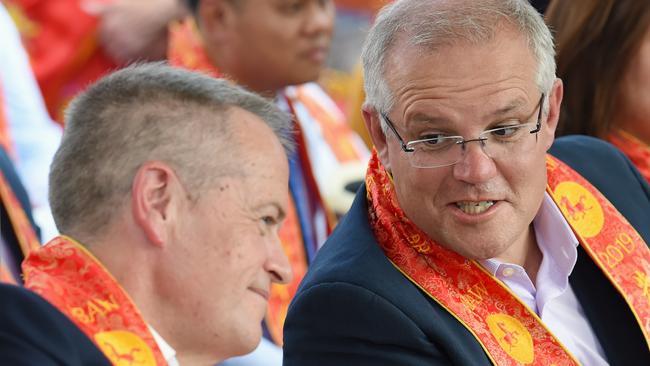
(474, 207)
(261, 292)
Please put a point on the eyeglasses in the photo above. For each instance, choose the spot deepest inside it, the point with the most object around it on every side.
(438, 150)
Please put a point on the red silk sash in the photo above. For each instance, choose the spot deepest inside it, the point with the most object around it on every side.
(612, 243)
(509, 332)
(76, 283)
(634, 149)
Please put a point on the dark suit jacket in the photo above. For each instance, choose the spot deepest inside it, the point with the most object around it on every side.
(6, 228)
(355, 308)
(35, 333)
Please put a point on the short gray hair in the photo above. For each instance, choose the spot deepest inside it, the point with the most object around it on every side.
(140, 113)
(429, 24)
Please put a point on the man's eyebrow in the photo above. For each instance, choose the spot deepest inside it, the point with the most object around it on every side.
(422, 118)
(514, 105)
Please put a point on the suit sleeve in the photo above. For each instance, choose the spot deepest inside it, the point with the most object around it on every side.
(345, 324)
(33, 332)
(19, 352)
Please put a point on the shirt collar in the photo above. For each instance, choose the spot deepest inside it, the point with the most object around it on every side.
(167, 351)
(555, 239)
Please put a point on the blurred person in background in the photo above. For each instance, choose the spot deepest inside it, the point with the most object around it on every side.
(72, 43)
(28, 135)
(603, 57)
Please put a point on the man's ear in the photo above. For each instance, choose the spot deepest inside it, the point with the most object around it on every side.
(216, 19)
(373, 124)
(553, 117)
(152, 202)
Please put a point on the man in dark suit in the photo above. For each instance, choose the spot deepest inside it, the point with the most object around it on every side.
(469, 245)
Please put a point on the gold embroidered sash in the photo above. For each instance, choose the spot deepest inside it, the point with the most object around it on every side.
(509, 332)
(612, 243)
(71, 278)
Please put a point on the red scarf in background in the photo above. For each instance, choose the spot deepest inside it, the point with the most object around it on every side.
(634, 149)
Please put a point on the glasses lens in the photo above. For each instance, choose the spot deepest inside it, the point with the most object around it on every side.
(436, 153)
(510, 140)
(497, 143)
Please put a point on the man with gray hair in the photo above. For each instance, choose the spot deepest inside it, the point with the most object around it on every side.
(169, 188)
(469, 244)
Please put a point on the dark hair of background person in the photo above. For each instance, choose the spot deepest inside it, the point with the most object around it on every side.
(540, 5)
(596, 40)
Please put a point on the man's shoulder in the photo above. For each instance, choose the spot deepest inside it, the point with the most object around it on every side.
(609, 170)
(350, 251)
(352, 261)
(32, 331)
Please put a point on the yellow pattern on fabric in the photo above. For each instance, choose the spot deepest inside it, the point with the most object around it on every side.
(581, 208)
(512, 336)
(125, 348)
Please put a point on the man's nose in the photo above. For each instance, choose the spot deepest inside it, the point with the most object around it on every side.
(277, 263)
(475, 166)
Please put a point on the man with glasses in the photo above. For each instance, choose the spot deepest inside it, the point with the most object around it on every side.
(469, 245)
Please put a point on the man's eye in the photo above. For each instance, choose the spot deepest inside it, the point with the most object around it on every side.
(269, 220)
(507, 131)
(433, 138)
(292, 7)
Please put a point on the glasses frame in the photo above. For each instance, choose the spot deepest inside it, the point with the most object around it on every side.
(406, 145)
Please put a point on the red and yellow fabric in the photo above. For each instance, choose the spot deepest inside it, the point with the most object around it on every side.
(186, 50)
(509, 332)
(62, 43)
(637, 151)
(341, 139)
(76, 283)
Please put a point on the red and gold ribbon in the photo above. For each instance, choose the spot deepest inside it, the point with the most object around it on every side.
(76, 283)
(634, 149)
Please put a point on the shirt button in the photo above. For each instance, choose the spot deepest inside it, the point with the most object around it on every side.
(507, 272)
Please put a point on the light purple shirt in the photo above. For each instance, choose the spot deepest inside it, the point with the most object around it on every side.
(552, 297)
